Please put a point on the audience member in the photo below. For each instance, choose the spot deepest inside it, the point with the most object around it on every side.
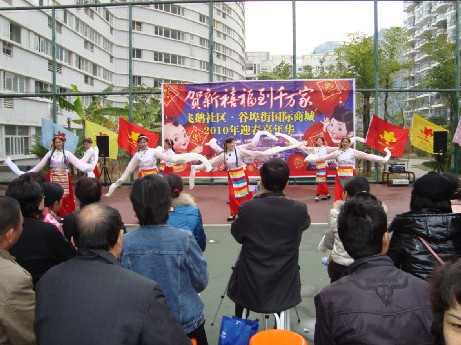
(88, 190)
(90, 299)
(17, 297)
(167, 255)
(430, 222)
(53, 200)
(40, 247)
(184, 214)
(266, 276)
(446, 303)
(373, 302)
(338, 259)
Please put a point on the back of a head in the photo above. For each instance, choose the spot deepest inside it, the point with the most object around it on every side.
(355, 185)
(176, 184)
(52, 192)
(88, 190)
(29, 195)
(275, 174)
(97, 226)
(151, 200)
(432, 191)
(10, 214)
(362, 223)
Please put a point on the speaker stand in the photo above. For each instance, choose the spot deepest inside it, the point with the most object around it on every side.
(438, 163)
(105, 174)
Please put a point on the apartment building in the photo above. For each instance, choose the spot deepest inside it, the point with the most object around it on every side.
(170, 43)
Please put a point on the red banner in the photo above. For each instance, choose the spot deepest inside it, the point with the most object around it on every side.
(383, 134)
(128, 134)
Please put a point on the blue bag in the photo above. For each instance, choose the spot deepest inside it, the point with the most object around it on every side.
(237, 331)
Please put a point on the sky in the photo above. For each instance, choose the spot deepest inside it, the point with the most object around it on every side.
(269, 24)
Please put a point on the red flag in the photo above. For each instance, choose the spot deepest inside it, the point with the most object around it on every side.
(383, 134)
(128, 134)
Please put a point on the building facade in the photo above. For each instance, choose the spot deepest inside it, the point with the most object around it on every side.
(168, 43)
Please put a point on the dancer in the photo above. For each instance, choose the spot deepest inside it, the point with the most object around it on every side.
(321, 167)
(90, 157)
(233, 157)
(146, 161)
(165, 167)
(58, 159)
(345, 162)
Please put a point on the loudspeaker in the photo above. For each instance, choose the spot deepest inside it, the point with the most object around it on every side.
(102, 141)
(440, 141)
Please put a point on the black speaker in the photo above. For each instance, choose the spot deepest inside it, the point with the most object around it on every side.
(440, 141)
(102, 141)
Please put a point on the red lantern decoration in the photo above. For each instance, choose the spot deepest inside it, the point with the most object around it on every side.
(328, 93)
(174, 100)
(296, 162)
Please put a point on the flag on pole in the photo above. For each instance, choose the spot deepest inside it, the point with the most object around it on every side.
(128, 134)
(382, 134)
(50, 129)
(422, 133)
(457, 136)
(92, 130)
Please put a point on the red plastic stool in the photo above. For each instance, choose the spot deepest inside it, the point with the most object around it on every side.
(277, 337)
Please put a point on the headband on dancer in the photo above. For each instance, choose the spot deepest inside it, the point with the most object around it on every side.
(143, 136)
(60, 135)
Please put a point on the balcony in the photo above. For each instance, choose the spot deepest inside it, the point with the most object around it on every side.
(440, 6)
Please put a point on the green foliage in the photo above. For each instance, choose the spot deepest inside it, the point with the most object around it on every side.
(307, 73)
(36, 148)
(147, 109)
(281, 72)
(442, 74)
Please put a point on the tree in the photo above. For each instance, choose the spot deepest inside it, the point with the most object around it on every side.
(281, 72)
(147, 109)
(307, 73)
(392, 48)
(442, 74)
(355, 59)
(95, 111)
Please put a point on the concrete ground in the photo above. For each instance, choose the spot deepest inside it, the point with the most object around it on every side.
(221, 253)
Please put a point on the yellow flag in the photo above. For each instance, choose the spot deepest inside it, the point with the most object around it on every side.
(93, 129)
(422, 133)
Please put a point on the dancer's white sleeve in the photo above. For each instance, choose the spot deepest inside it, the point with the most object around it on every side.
(183, 158)
(214, 146)
(14, 168)
(129, 169)
(80, 165)
(254, 142)
(372, 157)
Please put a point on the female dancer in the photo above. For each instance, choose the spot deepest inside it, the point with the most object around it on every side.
(90, 157)
(233, 157)
(58, 159)
(146, 161)
(165, 167)
(345, 162)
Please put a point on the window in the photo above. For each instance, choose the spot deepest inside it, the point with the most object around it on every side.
(204, 42)
(136, 26)
(7, 48)
(89, 12)
(17, 140)
(15, 32)
(41, 86)
(58, 67)
(137, 80)
(136, 53)
(88, 80)
(14, 82)
(169, 58)
(175, 9)
(204, 65)
(88, 45)
(203, 19)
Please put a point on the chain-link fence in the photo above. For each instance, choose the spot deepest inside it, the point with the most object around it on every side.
(71, 61)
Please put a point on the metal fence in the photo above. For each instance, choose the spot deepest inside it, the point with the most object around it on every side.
(119, 54)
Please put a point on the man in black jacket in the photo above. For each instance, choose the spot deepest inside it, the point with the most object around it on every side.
(373, 302)
(266, 277)
(90, 299)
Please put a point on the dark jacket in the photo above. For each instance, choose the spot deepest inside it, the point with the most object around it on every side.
(40, 247)
(266, 276)
(374, 303)
(92, 300)
(442, 231)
